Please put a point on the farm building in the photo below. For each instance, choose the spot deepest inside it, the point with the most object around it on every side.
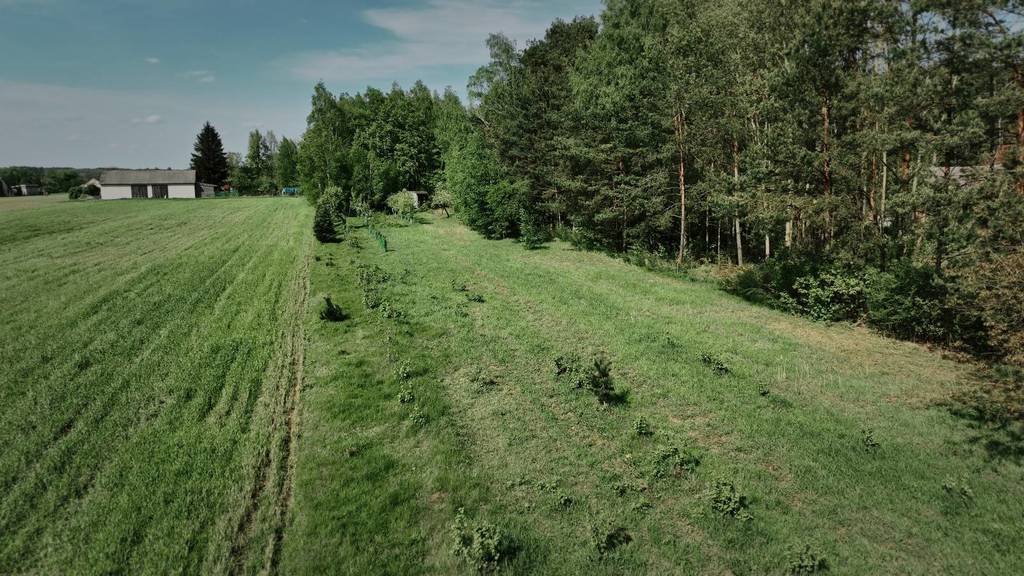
(419, 198)
(119, 184)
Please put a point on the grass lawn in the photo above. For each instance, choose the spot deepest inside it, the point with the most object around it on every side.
(149, 360)
(13, 203)
(173, 402)
(440, 398)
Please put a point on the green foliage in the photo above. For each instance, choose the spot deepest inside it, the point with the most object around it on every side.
(671, 461)
(401, 203)
(481, 545)
(607, 538)
(728, 502)
(642, 428)
(331, 312)
(959, 490)
(594, 376)
(806, 561)
(869, 441)
(323, 221)
(714, 363)
(208, 158)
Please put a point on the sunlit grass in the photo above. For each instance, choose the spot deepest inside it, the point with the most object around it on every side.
(559, 473)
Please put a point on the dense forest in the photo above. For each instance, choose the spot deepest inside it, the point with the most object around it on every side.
(857, 159)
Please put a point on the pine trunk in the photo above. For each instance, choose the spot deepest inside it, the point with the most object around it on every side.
(827, 164)
(680, 122)
(739, 241)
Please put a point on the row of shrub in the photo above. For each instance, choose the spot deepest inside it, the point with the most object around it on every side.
(979, 310)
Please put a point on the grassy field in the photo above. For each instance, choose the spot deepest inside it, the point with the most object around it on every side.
(15, 203)
(786, 436)
(150, 354)
(175, 403)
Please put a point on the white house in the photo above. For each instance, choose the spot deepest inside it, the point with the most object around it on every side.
(118, 184)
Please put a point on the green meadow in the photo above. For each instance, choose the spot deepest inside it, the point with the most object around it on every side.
(739, 440)
(178, 398)
(147, 370)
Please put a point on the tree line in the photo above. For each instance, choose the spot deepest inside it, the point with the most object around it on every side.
(268, 165)
(859, 159)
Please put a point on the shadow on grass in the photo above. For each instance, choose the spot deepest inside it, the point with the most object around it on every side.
(994, 408)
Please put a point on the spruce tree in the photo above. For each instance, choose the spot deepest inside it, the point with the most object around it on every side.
(323, 221)
(209, 160)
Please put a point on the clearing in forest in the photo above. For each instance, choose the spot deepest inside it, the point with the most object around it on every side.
(467, 374)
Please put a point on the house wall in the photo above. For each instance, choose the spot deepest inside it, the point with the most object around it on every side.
(112, 192)
(179, 191)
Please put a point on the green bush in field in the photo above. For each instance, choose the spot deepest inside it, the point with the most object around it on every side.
(641, 427)
(595, 376)
(331, 312)
(806, 561)
(609, 538)
(728, 502)
(323, 221)
(481, 545)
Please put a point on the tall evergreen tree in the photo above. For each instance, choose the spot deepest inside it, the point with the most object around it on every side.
(209, 160)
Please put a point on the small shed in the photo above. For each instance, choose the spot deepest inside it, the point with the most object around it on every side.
(419, 198)
(123, 184)
(290, 191)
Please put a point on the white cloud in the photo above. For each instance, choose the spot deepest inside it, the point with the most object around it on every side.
(201, 76)
(442, 33)
(148, 119)
(152, 60)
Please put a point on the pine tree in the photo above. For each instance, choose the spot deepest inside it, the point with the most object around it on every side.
(209, 160)
(323, 221)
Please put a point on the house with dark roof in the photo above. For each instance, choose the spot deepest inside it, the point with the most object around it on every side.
(124, 184)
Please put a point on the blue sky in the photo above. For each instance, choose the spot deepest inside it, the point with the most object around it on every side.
(129, 82)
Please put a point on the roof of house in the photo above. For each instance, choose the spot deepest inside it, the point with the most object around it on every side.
(128, 177)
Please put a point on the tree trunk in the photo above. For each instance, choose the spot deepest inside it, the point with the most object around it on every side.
(736, 179)
(739, 241)
(680, 122)
(826, 110)
(767, 246)
(1020, 143)
(789, 233)
(885, 182)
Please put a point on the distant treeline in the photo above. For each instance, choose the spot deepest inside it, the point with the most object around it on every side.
(864, 159)
(53, 180)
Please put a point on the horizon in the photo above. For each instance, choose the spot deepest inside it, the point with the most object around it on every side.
(103, 102)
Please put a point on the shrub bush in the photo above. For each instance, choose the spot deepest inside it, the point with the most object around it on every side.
(323, 221)
(728, 502)
(481, 545)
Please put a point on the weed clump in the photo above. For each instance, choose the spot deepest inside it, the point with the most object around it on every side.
(406, 396)
(728, 502)
(608, 538)
(671, 461)
(806, 561)
(459, 286)
(959, 490)
(642, 428)
(417, 417)
(869, 442)
(565, 501)
(481, 545)
(596, 376)
(475, 297)
(331, 312)
(714, 363)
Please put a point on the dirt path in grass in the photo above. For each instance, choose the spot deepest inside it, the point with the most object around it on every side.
(267, 510)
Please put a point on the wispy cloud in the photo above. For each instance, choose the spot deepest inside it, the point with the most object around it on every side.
(201, 76)
(442, 33)
(152, 60)
(149, 119)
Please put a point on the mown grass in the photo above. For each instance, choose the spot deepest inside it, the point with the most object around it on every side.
(815, 442)
(148, 366)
